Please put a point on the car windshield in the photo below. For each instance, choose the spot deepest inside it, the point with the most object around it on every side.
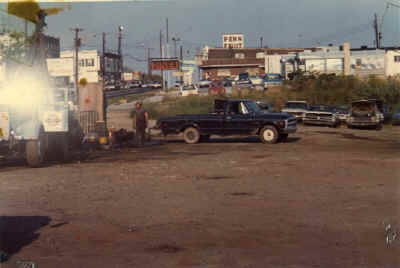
(296, 105)
(252, 106)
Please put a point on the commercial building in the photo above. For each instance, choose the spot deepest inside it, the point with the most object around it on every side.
(88, 65)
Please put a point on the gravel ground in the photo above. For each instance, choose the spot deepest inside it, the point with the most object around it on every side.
(320, 199)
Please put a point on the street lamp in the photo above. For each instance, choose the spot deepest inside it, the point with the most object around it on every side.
(120, 65)
(175, 39)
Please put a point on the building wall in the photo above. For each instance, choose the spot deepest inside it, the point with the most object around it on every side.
(219, 73)
(89, 65)
(273, 64)
(392, 63)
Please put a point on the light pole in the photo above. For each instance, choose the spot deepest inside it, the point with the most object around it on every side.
(175, 39)
(120, 63)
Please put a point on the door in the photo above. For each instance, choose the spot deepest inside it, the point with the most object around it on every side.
(238, 119)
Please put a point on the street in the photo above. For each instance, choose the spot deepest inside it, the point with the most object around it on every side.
(320, 199)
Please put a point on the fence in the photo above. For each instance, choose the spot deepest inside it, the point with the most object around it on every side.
(88, 121)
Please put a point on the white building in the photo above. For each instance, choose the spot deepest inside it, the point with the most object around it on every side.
(232, 40)
(88, 65)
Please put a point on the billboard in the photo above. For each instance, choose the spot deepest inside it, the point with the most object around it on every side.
(233, 40)
(60, 66)
(165, 64)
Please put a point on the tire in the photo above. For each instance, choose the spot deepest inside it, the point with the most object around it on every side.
(191, 135)
(204, 137)
(283, 137)
(269, 134)
(35, 150)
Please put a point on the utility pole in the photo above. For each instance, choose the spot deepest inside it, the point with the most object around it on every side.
(175, 39)
(261, 42)
(167, 32)
(378, 35)
(161, 56)
(77, 44)
(103, 71)
(120, 65)
(181, 63)
(148, 61)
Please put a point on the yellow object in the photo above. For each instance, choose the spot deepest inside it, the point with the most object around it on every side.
(1, 133)
(103, 140)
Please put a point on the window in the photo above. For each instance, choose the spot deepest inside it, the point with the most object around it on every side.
(225, 39)
(358, 62)
(81, 63)
(230, 38)
(260, 55)
(239, 38)
(89, 62)
(225, 46)
(234, 38)
(396, 58)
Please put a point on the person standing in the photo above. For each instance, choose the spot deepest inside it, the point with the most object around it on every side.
(140, 120)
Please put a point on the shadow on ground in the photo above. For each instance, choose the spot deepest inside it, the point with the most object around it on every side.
(17, 232)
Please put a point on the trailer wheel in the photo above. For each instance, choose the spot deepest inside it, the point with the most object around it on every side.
(35, 150)
(191, 135)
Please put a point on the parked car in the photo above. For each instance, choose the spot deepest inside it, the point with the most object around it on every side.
(109, 87)
(155, 84)
(189, 90)
(257, 82)
(321, 115)
(396, 118)
(387, 113)
(272, 80)
(342, 113)
(135, 84)
(244, 83)
(365, 113)
(230, 117)
(296, 108)
(204, 83)
(216, 88)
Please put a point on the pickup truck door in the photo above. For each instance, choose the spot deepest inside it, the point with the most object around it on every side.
(238, 122)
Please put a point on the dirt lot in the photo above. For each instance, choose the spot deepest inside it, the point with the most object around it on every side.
(321, 199)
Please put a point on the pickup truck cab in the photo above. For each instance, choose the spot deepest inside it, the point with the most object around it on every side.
(231, 117)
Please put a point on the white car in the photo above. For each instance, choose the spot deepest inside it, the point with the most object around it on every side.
(189, 90)
(204, 83)
(257, 81)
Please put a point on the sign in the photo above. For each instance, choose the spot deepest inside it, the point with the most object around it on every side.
(136, 76)
(60, 66)
(165, 64)
(224, 73)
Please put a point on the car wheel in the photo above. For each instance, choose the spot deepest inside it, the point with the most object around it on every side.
(191, 135)
(269, 134)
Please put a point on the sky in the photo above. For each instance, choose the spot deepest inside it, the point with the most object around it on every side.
(283, 23)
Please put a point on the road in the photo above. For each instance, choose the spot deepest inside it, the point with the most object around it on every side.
(321, 199)
(125, 92)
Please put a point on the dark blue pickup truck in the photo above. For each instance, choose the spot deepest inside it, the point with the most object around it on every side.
(231, 117)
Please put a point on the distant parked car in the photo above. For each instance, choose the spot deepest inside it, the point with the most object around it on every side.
(216, 88)
(204, 83)
(396, 118)
(257, 82)
(155, 84)
(296, 108)
(321, 115)
(135, 84)
(365, 113)
(387, 113)
(342, 113)
(189, 90)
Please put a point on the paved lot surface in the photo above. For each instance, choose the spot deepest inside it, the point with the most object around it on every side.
(321, 199)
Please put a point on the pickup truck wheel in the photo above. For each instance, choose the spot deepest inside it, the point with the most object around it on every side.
(191, 135)
(35, 150)
(269, 134)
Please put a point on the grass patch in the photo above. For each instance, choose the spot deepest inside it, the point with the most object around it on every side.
(131, 98)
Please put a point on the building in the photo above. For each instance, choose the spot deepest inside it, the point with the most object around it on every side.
(232, 40)
(88, 65)
(219, 63)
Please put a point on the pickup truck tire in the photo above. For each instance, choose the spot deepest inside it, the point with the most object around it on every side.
(269, 134)
(35, 150)
(191, 135)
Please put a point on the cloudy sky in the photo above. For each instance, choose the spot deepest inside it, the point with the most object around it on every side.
(281, 23)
